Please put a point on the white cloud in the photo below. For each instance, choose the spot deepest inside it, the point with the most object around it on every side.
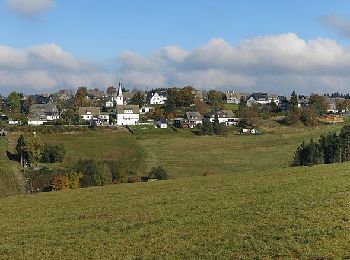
(48, 67)
(274, 63)
(29, 7)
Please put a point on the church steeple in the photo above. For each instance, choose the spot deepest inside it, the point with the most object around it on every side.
(120, 99)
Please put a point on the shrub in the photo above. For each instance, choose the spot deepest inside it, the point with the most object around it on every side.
(59, 182)
(53, 153)
(158, 173)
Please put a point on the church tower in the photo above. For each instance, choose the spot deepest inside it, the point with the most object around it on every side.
(120, 99)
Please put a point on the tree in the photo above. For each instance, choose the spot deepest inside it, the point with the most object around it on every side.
(53, 153)
(138, 99)
(14, 101)
(34, 149)
(309, 116)
(219, 128)
(59, 182)
(80, 97)
(215, 98)
(111, 91)
(158, 173)
(207, 127)
(293, 116)
(74, 179)
(95, 173)
(21, 149)
(294, 100)
(320, 103)
(249, 116)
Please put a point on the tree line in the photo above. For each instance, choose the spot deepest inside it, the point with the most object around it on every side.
(330, 148)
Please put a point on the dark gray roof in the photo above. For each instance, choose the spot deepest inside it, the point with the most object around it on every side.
(121, 108)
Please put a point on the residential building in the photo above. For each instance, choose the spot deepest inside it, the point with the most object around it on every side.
(89, 113)
(157, 99)
(232, 97)
(127, 114)
(224, 116)
(42, 113)
(190, 120)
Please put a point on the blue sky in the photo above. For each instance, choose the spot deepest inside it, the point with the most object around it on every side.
(124, 38)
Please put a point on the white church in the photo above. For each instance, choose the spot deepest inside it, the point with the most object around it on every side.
(125, 114)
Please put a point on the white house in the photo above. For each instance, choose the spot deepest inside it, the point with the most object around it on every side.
(42, 113)
(156, 99)
(109, 103)
(224, 116)
(262, 98)
(88, 113)
(127, 114)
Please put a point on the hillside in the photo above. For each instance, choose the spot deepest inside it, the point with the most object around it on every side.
(298, 213)
(11, 182)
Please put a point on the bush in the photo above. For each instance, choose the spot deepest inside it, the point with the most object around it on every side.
(53, 153)
(95, 173)
(158, 173)
(59, 182)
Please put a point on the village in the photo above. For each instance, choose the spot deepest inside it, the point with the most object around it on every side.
(161, 108)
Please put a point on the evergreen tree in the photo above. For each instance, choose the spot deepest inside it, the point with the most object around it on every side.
(294, 99)
(207, 127)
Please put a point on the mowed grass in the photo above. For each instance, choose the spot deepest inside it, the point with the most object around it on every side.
(287, 213)
(183, 155)
(11, 182)
(99, 146)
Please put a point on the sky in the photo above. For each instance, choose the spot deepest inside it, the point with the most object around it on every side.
(248, 46)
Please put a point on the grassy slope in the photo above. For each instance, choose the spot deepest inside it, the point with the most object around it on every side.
(185, 155)
(10, 180)
(99, 145)
(296, 213)
(254, 206)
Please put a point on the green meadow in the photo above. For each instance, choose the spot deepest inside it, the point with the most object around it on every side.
(253, 206)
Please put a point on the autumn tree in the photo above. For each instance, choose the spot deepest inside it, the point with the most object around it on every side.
(309, 116)
(80, 97)
(111, 91)
(59, 182)
(293, 116)
(215, 98)
(320, 103)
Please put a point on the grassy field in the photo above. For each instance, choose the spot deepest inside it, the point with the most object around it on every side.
(100, 146)
(294, 213)
(254, 206)
(11, 182)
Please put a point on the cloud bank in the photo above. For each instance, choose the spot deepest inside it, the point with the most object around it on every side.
(47, 68)
(29, 7)
(275, 63)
